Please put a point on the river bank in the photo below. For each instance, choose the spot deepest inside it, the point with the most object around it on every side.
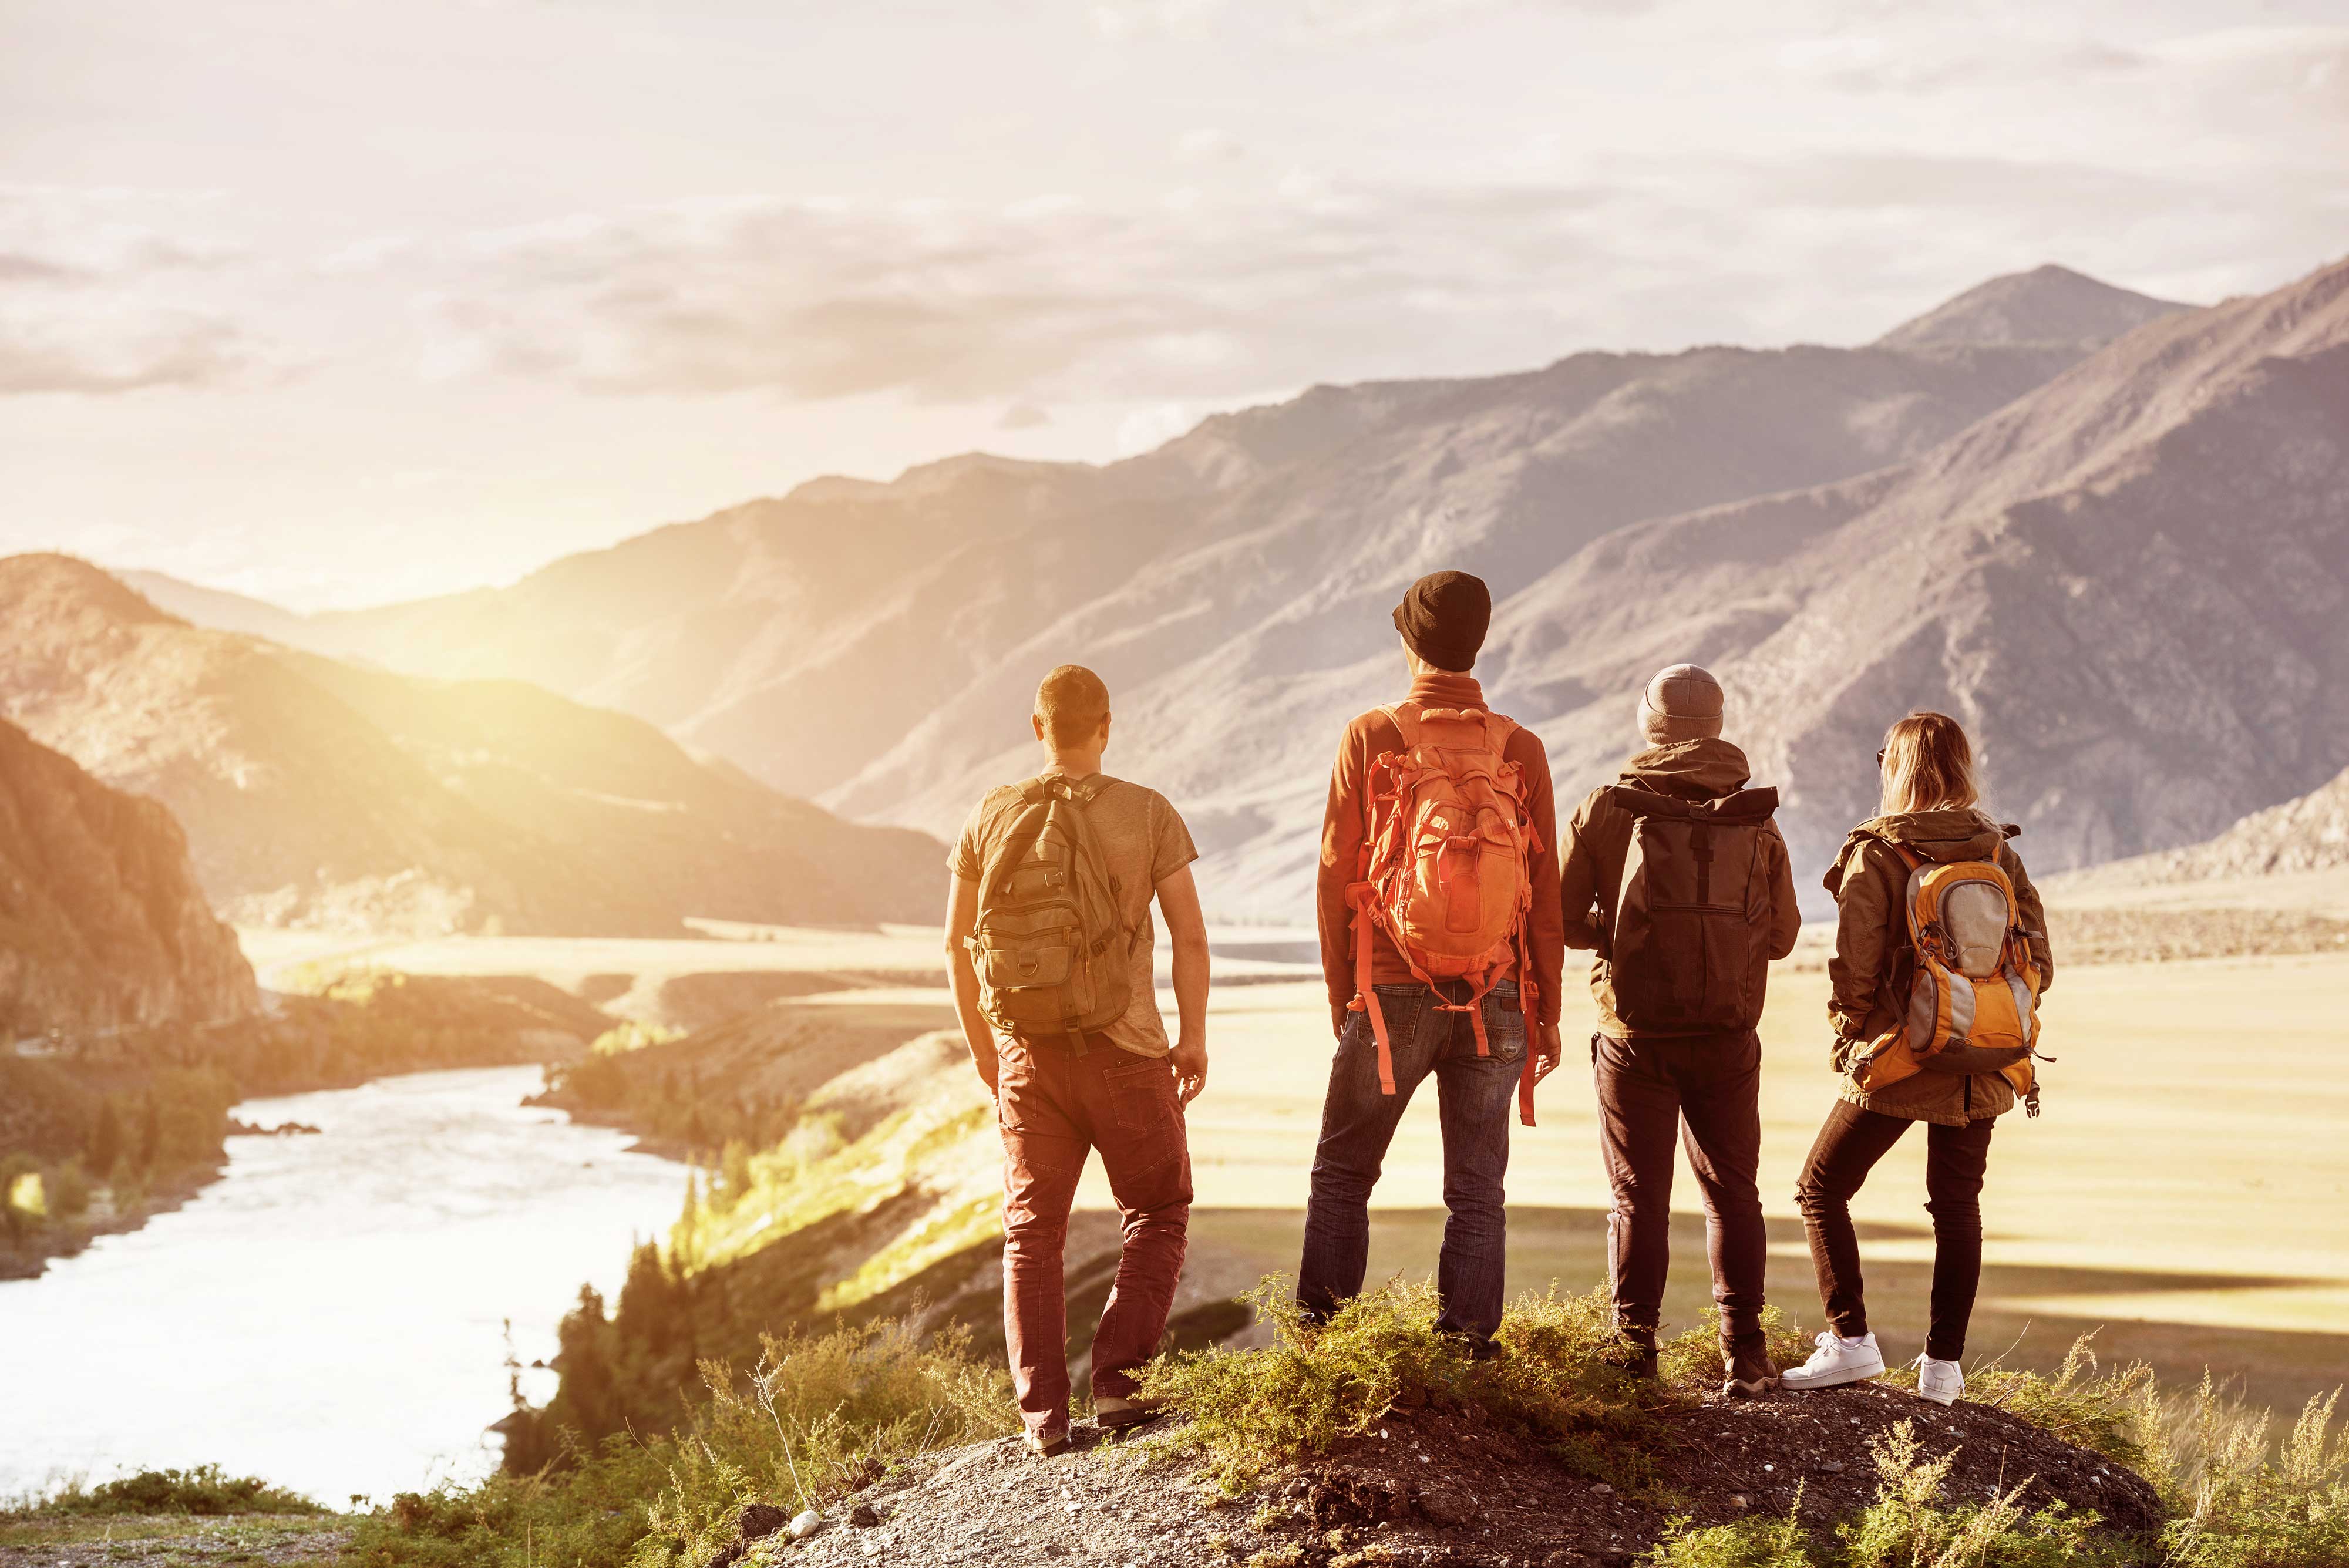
(99, 1133)
(342, 1313)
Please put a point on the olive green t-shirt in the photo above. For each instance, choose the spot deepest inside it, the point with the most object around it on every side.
(1145, 842)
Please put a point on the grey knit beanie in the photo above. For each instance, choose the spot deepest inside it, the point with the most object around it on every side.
(1681, 703)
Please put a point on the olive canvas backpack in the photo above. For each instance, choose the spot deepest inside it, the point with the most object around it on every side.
(1050, 947)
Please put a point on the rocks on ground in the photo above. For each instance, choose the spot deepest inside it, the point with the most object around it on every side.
(1437, 1486)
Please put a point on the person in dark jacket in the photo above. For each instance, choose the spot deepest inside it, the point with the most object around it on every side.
(1655, 1081)
(1930, 809)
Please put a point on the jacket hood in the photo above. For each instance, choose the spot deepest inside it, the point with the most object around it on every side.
(1944, 837)
(1941, 835)
(1691, 770)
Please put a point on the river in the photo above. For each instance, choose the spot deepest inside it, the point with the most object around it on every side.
(330, 1314)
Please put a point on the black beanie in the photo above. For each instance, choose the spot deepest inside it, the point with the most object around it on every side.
(1444, 617)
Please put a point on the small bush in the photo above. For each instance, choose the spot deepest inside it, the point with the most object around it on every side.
(818, 1416)
(1556, 1381)
(1908, 1527)
(2111, 1413)
(2245, 1504)
(69, 1191)
(1745, 1544)
(204, 1490)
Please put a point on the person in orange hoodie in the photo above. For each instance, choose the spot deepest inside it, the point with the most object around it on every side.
(1442, 621)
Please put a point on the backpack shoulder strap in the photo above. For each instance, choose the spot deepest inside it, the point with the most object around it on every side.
(1035, 813)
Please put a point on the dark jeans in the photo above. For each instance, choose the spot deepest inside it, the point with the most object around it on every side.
(1708, 1090)
(1847, 1147)
(1054, 1107)
(1474, 1094)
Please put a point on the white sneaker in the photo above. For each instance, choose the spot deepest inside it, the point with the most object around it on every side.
(1836, 1360)
(1939, 1381)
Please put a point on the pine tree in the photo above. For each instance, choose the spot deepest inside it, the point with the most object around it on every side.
(735, 1169)
(106, 1137)
(150, 1134)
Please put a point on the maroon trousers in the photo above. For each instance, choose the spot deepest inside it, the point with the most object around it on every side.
(1054, 1107)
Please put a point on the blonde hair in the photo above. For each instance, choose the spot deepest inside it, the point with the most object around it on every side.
(1928, 766)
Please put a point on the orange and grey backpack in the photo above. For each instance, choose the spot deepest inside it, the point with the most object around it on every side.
(1049, 948)
(1446, 870)
(1973, 999)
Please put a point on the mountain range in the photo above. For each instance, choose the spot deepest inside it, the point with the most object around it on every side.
(316, 792)
(2105, 530)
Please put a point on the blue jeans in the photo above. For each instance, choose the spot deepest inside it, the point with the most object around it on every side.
(1474, 1094)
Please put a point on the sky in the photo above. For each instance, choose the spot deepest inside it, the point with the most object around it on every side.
(338, 302)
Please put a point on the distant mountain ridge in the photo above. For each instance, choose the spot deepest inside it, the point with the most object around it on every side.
(102, 926)
(319, 793)
(2045, 305)
(2119, 564)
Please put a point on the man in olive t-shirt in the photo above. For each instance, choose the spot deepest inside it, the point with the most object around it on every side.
(1123, 1095)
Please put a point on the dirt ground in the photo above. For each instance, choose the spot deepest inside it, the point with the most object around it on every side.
(1432, 1486)
(277, 1540)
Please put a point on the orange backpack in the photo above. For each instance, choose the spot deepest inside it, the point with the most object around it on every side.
(1445, 871)
(1973, 1003)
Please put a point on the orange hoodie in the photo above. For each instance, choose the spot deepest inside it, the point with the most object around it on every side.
(1345, 828)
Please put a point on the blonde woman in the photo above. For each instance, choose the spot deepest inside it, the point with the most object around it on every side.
(1931, 810)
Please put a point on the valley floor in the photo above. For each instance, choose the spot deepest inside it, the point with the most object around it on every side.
(2186, 1192)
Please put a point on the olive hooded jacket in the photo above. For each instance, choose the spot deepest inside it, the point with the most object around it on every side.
(1872, 966)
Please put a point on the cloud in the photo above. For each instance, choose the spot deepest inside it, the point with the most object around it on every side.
(956, 302)
(93, 300)
(1023, 417)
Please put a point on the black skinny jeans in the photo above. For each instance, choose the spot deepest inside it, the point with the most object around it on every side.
(1846, 1150)
(1709, 1092)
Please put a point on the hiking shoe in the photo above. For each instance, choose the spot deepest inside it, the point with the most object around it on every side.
(1115, 1415)
(1750, 1373)
(1048, 1445)
(1633, 1353)
(1942, 1382)
(1836, 1361)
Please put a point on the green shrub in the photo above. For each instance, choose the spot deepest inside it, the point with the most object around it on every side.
(2114, 1412)
(816, 1417)
(1745, 1543)
(1556, 1381)
(587, 1515)
(2247, 1503)
(1908, 1526)
(69, 1191)
(205, 1489)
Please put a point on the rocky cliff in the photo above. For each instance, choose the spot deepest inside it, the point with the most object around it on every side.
(102, 926)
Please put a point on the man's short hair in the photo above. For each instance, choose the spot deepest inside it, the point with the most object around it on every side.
(1072, 703)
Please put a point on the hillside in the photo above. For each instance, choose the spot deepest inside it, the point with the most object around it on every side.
(318, 793)
(102, 926)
